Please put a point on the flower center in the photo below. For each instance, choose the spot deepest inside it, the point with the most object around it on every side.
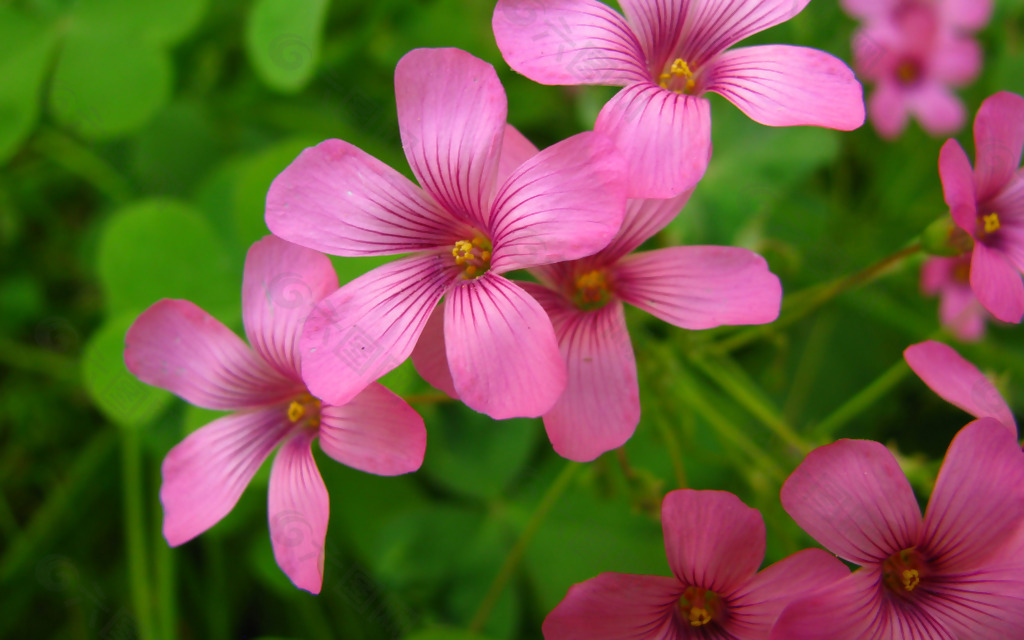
(306, 410)
(908, 72)
(988, 224)
(902, 571)
(678, 78)
(699, 607)
(592, 290)
(474, 256)
(962, 271)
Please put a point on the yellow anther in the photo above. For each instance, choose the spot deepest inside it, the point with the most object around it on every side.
(678, 69)
(471, 270)
(699, 617)
(911, 578)
(485, 256)
(991, 222)
(474, 256)
(295, 411)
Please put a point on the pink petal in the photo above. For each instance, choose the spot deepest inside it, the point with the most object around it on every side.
(564, 203)
(712, 539)
(515, 150)
(851, 608)
(936, 274)
(369, 326)
(665, 138)
(760, 601)
(177, 346)
(852, 497)
(958, 185)
(997, 283)
(781, 86)
(998, 141)
(962, 314)
(699, 287)
(986, 603)
(615, 606)
(338, 199)
(451, 111)
(643, 219)
(281, 285)
(969, 15)
(978, 501)
(867, 8)
(713, 26)
(956, 61)
(958, 382)
(658, 25)
(568, 42)
(887, 108)
(376, 432)
(206, 473)
(502, 350)
(430, 354)
(938, 110)
(600, 407)
(297, 510)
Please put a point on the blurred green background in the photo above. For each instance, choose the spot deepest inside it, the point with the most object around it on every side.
(137, 142)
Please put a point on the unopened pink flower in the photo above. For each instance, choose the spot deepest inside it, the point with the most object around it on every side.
(953, 574)
(987, 202)
(484, 209)
(959, 309)
(177, 346)
(958, 382)
(715, 544)
(667, 54)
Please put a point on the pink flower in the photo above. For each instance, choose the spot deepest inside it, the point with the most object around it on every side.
(988, 203)
(667, 54)
(715, 544)
(915, 53)
(959, 309)
(485, 209)
(177, 346)
(956, 573)
(958, 382)
(693, 287)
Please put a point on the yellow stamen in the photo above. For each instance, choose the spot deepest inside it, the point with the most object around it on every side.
(991, 222)
(592, 290)
(699, 617)
(678, 69)
(474, 256)
(296, 411)
(306, 409)
(911, 578)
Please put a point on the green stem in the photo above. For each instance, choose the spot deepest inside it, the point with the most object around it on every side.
(82, 161)
(674, 455)
(166, 578)
(8, 521)
(427, 398)
(861, 400)
(515, 555)
(37, 360)
(135, 533)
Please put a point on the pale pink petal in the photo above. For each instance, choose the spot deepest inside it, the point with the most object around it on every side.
(600, 407)
(658, 25)
(376, 432)
(978, 501)
(867, 8)
(338, 199)
(297, 510)
(206, 473)
(957, 381)
(664, 136)
(938, 110)
(887, 108)
(998, 141)
(699, 287)
(369, 326)
(781, 85)
(852, 497)
(451, 112)
(956, 61)
(568, 42)
(936, 273)
(616, 606)
(502, 350)
(712, 539)
(430, 354)
(712, 26)
(515, 150)
(969, 15)
(643, 219)
(756, 606)
(851, 608)
(958, 185)
(564, 203)
(997, 283)
(962, 314)
(281, 285)
(177, 346)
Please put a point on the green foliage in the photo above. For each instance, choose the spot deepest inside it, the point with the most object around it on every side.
(283, 41)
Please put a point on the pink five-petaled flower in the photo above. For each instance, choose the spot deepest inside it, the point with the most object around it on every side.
(958, 382)
(988, 202)
(177, 346)
(695, 287)
(482, 212)
(667, 54)
(959, 309)
(715, 544)
(956, 574)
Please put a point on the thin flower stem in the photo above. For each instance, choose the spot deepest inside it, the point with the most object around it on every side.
(672, 448)
(82, 161)
(37, 360)
(135, 533)
(804, 302)
(515, 555)
(166, 577)
(863, 399)
(427, 398)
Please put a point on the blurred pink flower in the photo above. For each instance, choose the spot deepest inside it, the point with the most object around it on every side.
(488, 206)
(667, 54)
(177, 346)
(987, 202)
(715, 544)
(956, 573)
(959, 309)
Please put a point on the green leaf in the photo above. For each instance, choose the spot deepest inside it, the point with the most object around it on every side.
(282, 39)
(115, 391)
(444, 634)
(157, 249)
(26, 45)
(160, 22)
